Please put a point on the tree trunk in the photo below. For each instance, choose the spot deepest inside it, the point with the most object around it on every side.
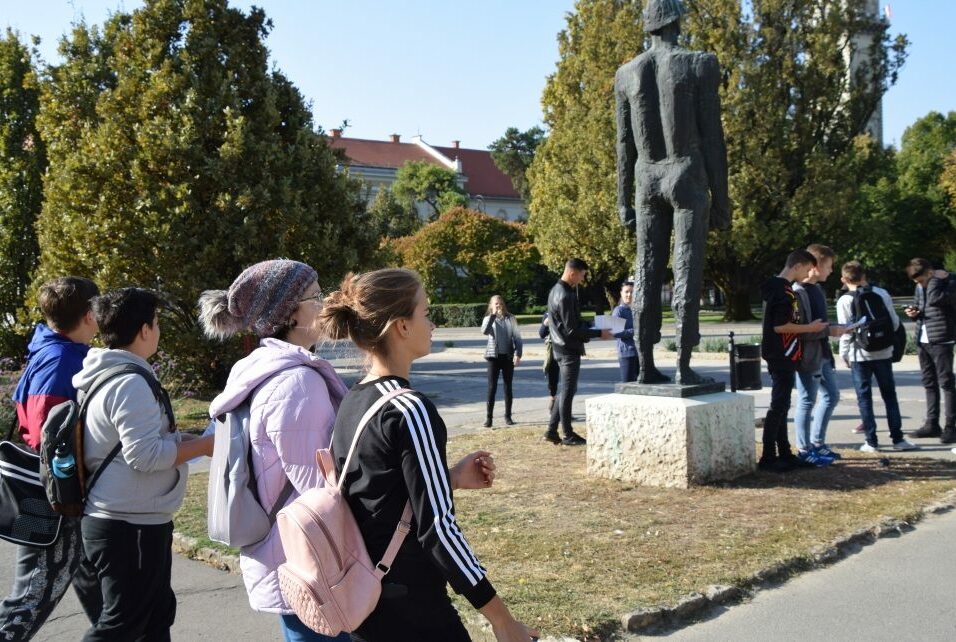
(737, 296)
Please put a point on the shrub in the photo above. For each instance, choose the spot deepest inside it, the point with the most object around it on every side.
(457, 315)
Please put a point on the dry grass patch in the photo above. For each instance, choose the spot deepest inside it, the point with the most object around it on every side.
(570, 554)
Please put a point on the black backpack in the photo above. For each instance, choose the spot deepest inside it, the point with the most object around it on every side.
(878, 332)
(63, 433)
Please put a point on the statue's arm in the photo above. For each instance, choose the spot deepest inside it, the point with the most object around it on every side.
(712, 141)
(626, 156)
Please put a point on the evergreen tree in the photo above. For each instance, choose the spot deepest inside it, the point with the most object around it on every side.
(425, 182)
(21, 183)
(177, 158)
(513, 154)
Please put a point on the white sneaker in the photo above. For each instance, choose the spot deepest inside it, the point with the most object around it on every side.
(953, 451)
(905, 445)
(867, 448)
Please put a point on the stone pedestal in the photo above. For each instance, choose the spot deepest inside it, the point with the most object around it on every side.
(672, 442)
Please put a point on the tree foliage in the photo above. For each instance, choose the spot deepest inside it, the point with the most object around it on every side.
(392, 217)
(177, 157)
(792, 111)
(513, 154)
(948, 179)
(466, 256)
(573, 209)
(21, 182)
(427, 183)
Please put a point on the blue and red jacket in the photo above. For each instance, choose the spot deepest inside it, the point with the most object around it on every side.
(52, 360)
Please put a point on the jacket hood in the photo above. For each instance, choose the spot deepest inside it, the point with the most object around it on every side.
(44, 338)
(270, 357)
(99, 359)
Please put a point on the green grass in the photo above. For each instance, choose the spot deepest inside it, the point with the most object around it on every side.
(192, 414)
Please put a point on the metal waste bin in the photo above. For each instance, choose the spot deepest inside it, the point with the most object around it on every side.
(745, 366)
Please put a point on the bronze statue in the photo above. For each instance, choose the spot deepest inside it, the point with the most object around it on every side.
(672, 177)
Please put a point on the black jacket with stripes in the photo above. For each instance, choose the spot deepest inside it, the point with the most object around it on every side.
(401, 456)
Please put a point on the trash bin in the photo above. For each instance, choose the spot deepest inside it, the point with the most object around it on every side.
(745, 366)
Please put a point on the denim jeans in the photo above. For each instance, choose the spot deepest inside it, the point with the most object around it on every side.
(628, 366)
(293, 630)
(812, 418)
(775, 441)
(863, 373)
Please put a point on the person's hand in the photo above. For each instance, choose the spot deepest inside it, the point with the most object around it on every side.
(517, 360)
(547, 321)
(606, 334)
(838, 330)
(911, 311)
(514, 631)
(475, 470)
(817, 325)
(846, 362)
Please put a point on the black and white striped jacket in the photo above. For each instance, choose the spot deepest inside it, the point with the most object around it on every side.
(401, 456)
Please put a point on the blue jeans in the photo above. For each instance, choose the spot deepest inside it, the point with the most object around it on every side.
(628, 366)
(863, 372)
(808, 383)
(294, 631)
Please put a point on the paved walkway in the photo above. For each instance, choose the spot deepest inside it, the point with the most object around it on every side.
(213, 605)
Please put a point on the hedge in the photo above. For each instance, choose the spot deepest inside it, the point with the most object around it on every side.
(457, 315)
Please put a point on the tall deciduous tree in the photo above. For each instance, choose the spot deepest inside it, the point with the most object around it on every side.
(573, 208)
(467, 255)
(513, 154)
(177, 157)
(22, 163)
(792, 109)
(427, 183)
(948, 180)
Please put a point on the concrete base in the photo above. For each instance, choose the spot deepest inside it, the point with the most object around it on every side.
(671, 442)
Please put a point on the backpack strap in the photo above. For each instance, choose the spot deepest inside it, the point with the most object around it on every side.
(284, 495)
(99, 382)
(13, 426)
(371, 412)
(403, 528)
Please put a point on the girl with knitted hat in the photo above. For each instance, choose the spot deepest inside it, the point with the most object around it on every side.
(401, 459)
(293, 397)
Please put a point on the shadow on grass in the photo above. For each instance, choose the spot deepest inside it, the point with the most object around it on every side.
(850, 474)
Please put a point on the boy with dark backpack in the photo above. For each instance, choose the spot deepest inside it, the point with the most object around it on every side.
(130, 441)
(868, 352)
(56, 353)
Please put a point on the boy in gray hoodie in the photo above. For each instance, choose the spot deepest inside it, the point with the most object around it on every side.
(127, 523)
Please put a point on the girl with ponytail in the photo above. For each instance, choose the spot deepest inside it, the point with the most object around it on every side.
(400, 458)
(293, 396)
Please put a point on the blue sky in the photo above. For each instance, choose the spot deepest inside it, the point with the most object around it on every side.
(468, 69)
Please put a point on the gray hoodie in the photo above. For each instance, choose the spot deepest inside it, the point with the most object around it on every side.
(141, 485)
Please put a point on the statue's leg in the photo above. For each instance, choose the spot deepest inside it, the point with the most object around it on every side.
(653, 228)
(690, 239)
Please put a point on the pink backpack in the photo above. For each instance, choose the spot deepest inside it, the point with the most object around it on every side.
(328, 579)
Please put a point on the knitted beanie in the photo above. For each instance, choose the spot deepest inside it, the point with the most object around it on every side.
(262, 299)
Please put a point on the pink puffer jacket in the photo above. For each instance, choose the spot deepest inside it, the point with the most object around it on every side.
(294, 398)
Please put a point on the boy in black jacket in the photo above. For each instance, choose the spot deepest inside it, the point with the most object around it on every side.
(781, 348)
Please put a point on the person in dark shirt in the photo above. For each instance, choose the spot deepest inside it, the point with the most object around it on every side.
(550, 365)
(781, 348)
(401, 459)
(568, 336)
(626, 350)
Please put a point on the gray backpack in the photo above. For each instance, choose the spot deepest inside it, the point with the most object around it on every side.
(235, 517)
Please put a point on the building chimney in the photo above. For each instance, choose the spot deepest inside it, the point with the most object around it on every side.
(396, 138)
(456, 144)
(336, 134)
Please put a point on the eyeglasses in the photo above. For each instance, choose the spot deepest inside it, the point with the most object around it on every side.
(317, 297)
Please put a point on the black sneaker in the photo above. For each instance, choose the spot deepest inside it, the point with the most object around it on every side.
(552, 437)
(574, 439)
(775, 465)
(509, 421)
(927, 430)
(795, 462)
(487, 423)
(948, 436)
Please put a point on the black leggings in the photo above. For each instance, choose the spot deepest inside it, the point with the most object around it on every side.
(505, 365)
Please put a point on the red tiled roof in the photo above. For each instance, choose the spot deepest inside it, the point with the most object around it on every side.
(379, 153)
(483, 175)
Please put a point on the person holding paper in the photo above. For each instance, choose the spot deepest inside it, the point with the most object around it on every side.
(626, 350)
(568, 336)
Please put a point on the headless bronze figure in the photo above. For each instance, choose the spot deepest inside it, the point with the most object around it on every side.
(672, 177)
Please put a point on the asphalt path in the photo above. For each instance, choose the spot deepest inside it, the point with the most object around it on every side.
(867, 597)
